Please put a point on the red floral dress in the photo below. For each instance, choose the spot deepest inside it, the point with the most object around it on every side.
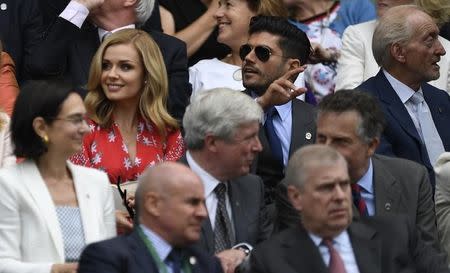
(104, 149)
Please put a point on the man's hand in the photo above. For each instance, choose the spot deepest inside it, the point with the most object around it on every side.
(282, 90)
(230, 259)
(90, 4)
(123, 221)
(64, 268)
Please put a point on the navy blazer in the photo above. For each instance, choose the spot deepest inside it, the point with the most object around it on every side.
(400, 137)
(66, 51)
(129, 254)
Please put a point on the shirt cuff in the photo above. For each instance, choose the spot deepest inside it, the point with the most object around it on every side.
(75, 13)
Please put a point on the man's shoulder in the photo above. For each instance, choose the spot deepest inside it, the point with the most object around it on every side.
(163, 39)
(249, 180)
(396, 163)
(304, 107)
(435, 93)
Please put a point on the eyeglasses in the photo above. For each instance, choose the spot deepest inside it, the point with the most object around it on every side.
(75, 120)
(263, 53)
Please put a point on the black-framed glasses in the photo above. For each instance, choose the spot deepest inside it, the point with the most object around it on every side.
(263, 53)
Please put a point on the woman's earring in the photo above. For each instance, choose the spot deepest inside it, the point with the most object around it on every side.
(45, 139)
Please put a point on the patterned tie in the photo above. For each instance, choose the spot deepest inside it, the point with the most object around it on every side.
(336, 264)
(427, 130)
(272, 137)
(222, 226)
(358, 200)
(174, 260)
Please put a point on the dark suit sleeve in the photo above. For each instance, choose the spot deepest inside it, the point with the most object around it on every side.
(95, 259)
(426, 219)
(179, 87)
(256, 266)
(266, 226)
(50, 55)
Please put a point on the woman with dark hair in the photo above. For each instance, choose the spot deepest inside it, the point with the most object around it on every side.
(49, 208)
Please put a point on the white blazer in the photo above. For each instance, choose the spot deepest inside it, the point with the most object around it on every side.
(357, 64)
(442, 200)
(30, 235)
(6, 155)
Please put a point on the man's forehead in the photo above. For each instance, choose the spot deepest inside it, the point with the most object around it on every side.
(264, 38)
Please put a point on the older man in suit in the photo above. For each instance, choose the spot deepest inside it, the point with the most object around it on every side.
(271, 60)
(170, 208)
(417, 114)
(221, 135)
(326, 239)
(351, 121)
(67, 47)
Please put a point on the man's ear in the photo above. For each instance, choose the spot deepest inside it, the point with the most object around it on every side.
(295, 197)
(398, 52)
(293, 63)
(210, 142)
(373, 144)
(129, 3)
(152, 203)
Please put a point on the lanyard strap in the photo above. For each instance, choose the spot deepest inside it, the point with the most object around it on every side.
(162, 267)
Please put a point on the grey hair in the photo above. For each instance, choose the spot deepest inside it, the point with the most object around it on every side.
(219, 112)
(298, 168)
(144, 9)
(393, 27)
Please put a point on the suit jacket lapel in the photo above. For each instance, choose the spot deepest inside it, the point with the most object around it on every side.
(141, 254)
(86, 46)
(37, 188)
(395, 106)
(439, 112)
(308, 258)
(238, 211)
(88, 214)
(366, 249)
(300, 130)
(387, 191)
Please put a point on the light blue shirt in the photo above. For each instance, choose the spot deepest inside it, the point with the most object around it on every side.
(162, 247)
(283, 127)
(367, 193)
(343, 246)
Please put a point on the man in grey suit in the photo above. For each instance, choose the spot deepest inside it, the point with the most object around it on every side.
(327, 239)
(351, 121)
(221, 135)
(274, 55)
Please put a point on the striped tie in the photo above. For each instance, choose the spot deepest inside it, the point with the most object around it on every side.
(358, 200)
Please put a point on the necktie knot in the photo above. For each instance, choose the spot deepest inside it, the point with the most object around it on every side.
(220, 190)
(272, 112)
(336, 264)
(358, 201)
(417, 98)
(175, 258)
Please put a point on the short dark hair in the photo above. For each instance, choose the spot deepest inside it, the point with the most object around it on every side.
(36, 99)
(293, 42)
(368, 108)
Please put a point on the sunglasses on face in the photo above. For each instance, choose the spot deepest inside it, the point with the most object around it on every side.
(263, 53)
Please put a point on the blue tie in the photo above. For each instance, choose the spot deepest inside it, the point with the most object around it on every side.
(272, 137)
(175, 258)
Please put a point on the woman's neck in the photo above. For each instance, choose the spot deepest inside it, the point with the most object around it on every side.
(53, 165)
(233, 58)
(125, 116)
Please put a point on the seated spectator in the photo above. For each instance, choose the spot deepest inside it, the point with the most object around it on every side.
(327, 240)
(6, 150)
(417, 114)
(442, 200)
(357, 63)
(130, 127)
(171, 209)
(50, 209)
(67, 47)
(8, 84)
(233, 18)
(324, 21)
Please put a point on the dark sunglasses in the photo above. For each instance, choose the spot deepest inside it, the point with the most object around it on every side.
(263, 53)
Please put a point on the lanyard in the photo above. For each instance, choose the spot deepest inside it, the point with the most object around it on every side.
(162, 267)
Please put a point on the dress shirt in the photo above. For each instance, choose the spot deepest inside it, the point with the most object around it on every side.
(162, 247)
(343, 246)
(210, 183)
(75, 13)
(366, 185)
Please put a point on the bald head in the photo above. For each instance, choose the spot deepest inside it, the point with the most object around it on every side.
(170, 201)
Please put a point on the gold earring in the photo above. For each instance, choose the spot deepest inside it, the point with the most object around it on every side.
(45, 139)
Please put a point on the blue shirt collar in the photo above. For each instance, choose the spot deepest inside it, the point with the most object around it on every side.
(366, 181)
(161, 246)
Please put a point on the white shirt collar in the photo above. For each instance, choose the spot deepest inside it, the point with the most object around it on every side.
(403, 91)
(209, 181)
(102, 32)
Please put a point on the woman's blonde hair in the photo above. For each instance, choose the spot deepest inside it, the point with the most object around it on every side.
(152, 102)
(438, 9)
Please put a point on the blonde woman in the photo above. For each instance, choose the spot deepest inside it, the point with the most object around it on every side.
(130, 127)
